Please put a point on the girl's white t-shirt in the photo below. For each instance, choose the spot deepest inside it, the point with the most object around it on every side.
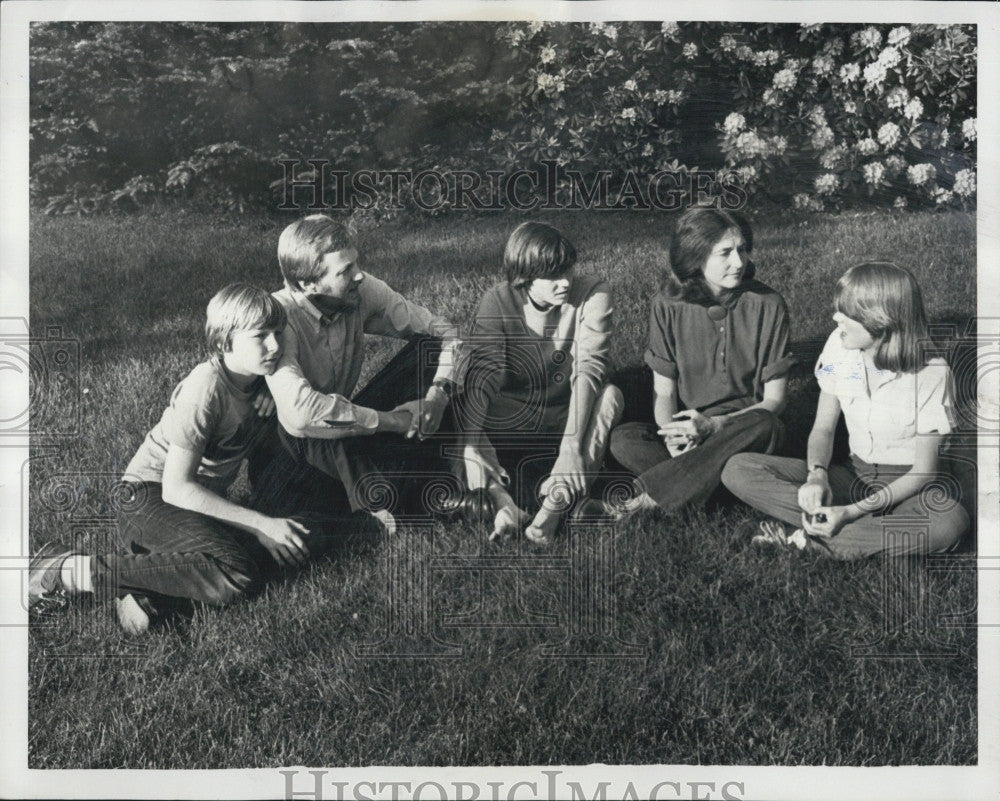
(886, 411)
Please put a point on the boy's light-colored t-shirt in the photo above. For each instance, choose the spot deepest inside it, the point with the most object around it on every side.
(208, 413)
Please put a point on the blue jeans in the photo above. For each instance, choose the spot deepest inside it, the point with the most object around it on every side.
(177, 555)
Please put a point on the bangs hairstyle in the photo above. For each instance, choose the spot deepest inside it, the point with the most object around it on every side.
(886, 300)
(240, 307)
(303, 244)
(698, 231)
(536, 250)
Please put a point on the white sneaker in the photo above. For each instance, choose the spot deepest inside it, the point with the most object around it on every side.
(387, 521)
(131, 617)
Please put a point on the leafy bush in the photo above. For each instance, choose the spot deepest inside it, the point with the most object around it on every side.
(822, 116)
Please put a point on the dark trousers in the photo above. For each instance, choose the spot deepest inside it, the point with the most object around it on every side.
(176, 554)
(693, 476)
(291, 474)
(929, 522)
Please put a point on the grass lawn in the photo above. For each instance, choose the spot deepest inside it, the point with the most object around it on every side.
(666, 641)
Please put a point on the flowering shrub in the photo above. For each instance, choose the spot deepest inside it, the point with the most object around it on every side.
(819, 116)
(880, 113)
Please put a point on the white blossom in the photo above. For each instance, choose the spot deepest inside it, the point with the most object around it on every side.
(867, 146)
(850, 107)
(969, 129)
(965, 183)
(784, 80)
(647, 150)
(660, 97)
(670, 30)
(899, 203)
(822, 65)
(822, 136)
(897, 97)
(899, 36)
(942, 195)
(744, 53)
(873, 173)
(674, 96)
(920, 174)
(747, 173)
(547, 54)
(779, 145)
(889, 135)
(830, 159)
(889, 57)
(749, 144)
(690, 50)
(913, 109)
(550, 83)
(870, 37)
(628, 113)
(850, 72)
(734, 123)
(875, 73)
(770, 97)
(827, 184)
(630, 85)
(727, 43)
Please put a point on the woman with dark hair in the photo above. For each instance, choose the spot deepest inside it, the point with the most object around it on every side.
(535, 406)
(897, 404)
(719, 351)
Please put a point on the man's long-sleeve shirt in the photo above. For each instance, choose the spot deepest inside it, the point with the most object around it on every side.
(322, 357)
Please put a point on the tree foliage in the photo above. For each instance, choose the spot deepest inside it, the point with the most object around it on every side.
(125, 112)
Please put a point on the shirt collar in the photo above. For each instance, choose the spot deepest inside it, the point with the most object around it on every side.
(317, 317)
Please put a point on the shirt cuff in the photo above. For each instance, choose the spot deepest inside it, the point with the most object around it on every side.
(660, 365)
(778, 369)
(365, 417)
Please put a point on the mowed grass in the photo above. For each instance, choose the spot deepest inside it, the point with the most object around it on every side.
(683, 644)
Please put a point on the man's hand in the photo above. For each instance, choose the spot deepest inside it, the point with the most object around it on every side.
(263, 403)
(430, 410)
(691, 425)
(283, 539)
(397, 421)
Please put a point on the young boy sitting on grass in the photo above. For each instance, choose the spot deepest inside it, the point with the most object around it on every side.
(188, 541)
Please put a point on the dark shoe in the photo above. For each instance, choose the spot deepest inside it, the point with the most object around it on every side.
(45, 587)
(590, 510)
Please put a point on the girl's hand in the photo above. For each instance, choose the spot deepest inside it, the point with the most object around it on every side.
(691, 424)
(814, 493)
(677, 445)
(283, 539)
(826, 521)
(569, 470)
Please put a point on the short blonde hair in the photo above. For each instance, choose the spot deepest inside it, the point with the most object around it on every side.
(240, 307)
(886, 300)
(303, 244)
